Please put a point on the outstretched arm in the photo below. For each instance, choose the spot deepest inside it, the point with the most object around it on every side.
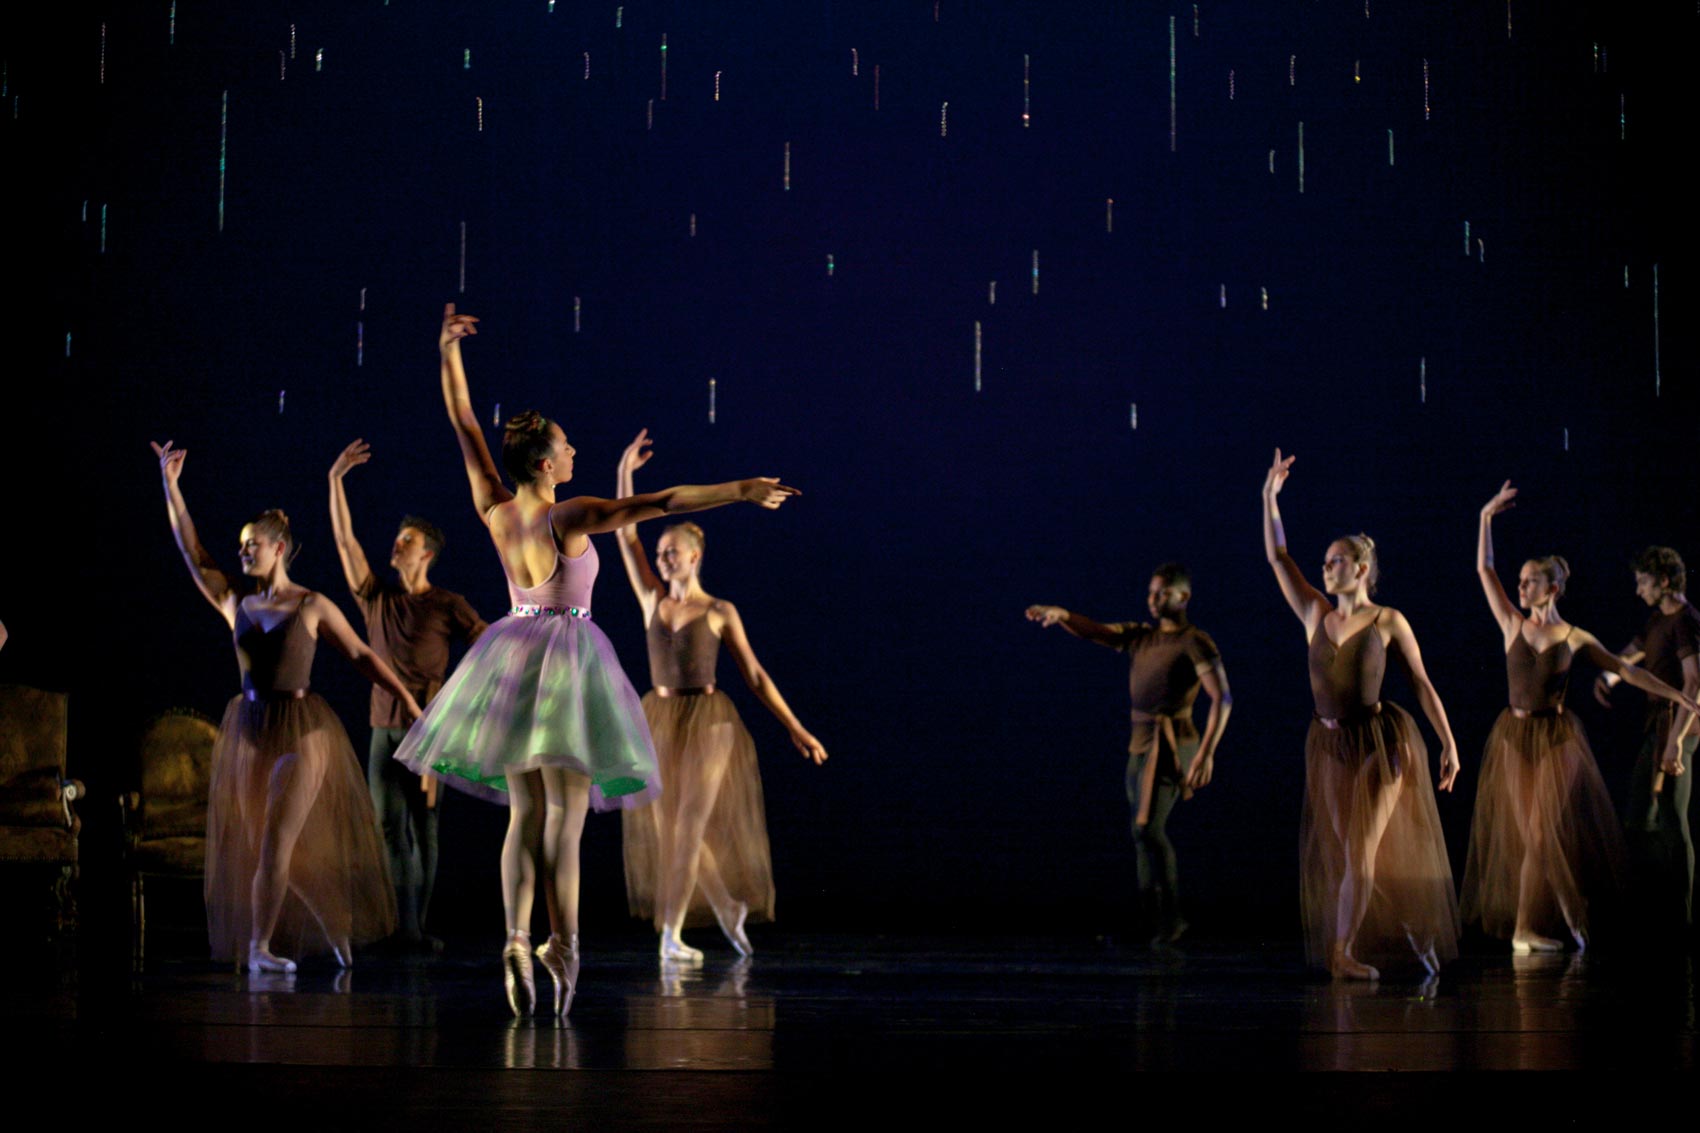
(487, 487)
(209, 579)
(1405, 643)
(645, 585)
(589, 515)
(330, 625)
(354, 566)
(738, 644)
(1079, 625)
(1214, 678)
(1504, 610)
(1305, 600)
(1685, 697)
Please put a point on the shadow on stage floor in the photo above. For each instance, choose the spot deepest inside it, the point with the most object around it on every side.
(819, 1027)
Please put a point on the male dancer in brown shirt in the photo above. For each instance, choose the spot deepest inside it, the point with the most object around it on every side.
(1167, 758)
(409, 623)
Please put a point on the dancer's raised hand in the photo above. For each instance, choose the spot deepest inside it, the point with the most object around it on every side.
(1503, 500)
(358, 452)
(455, 327)
(1047, 616)
(766, 491)
(1278, 473)
(637, 453)
(170, 460)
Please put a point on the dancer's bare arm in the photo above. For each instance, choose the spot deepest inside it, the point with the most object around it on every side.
(1079, 625)
(212, 582)
(487, 487)
(738, 644)
(326, 621)
(1214, 678)
(1404, 642)
(645, 584)
(355, 568)
(1504, 609)
(590, 515)
(1307, 602)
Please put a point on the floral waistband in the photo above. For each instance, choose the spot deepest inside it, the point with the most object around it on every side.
(530, 611)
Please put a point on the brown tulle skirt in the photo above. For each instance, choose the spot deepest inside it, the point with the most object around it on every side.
(1540, 793)
(339, 885)
(707, 759)
(1353, 774)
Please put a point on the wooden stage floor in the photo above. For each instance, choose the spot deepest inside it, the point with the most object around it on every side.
(820, 1028)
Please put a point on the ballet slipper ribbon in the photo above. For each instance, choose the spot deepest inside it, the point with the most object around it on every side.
(1163, 729)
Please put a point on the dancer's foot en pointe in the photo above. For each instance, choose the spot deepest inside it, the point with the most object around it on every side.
(343, 952)
(1344, 966)
(676, 950)
(1426, 955)
(260, 958)
(517, 975)
(559, 958)
(1524, 943)
(1580, 935)
(735, 929)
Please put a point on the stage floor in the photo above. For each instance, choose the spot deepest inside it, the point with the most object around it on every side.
(834, 1026)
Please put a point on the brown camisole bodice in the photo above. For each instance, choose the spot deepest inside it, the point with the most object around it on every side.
(278, 660)
(1538, 680)
(683, 658)
(1345, 679)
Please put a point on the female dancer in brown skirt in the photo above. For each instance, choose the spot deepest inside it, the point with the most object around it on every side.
(702, 846)
(1545, 842)
(293, 851)
(1372, 867)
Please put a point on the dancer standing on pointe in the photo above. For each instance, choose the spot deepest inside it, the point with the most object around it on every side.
(293, 853)
(539, 712)
(1167, 759)
(1372, 861)
(410, 624)
(1545, 843)
(702, 846)
(1659, 786)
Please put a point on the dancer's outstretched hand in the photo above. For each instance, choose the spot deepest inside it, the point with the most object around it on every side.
(1603, 684)
(809, 746)
(455, 327)
(1449, 767)
(1047, 615)
(1503, 500)
(1278, 473)
(1671, 764)
(358, 452)
(766, 491)
(637, 453)
(170, 460)
(1198, 776)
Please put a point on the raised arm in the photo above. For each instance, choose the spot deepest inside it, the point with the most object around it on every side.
(589, 515)
(1214, 679)
(487, 487)
(1305, 600)
(645, 585)
(738, 644)
(1078, 624)
(209, 579)
(354, 565)
(1405, 645)
(1504, 610)
(328, 623)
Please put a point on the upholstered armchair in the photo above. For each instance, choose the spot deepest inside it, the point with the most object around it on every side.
(165, 822)
(39, 825)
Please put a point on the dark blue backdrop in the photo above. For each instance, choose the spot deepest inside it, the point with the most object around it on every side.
(976, 771)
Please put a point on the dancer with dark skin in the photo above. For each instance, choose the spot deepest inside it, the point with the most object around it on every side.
(282, 752)
(1660, 787)
(1369, 811)
(574, 694)
(705, 839)
(1544, 824)
(1167, 758)
(410, 624)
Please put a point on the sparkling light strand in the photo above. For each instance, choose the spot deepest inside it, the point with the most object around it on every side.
(280, 394)
(1622, 118)
(1026, 91)
(1389, 147)
(1195, 21)
(319, 59)
(466, 59)
(463, 257)
(1272, 161)
(693, 226)
(282, 65)
(578, 309)
(717, 86)
(1567, 438)
(1422, 379)
(496, 414)
(976, 355)
(649, 115)
(1035, 271)
(1109, 214)
(944, 120)
(359, 343)
(223, 135)
(1301, 157)
(1426, 108)
(67, 344)
(1133, 415)
(1292, 70)
(102, 54)
(1171, 84)
(292, 41)
(831, 264)
(1230, 84)
(587, 66)
(619, 17)
(992, 293)
(1507, 19)
(712, 391)
(480, 100)
(1466, 237)
(1222, 297)
(663, 66)
(171, 33)
(1263, 294)
(1481, 249)
(855, 62)
(787, 167)
(103, 230)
